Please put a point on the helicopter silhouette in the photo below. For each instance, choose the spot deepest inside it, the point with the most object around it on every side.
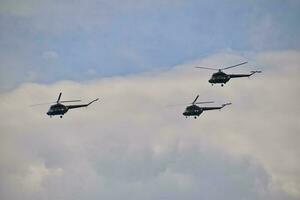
(60, 109)
(195, 111)
(222, 78)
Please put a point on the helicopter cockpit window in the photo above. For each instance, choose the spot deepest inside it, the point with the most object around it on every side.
(189, 109)
(55, 109)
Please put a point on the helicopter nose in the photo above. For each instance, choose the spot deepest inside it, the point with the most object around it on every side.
(210, 80)
(48, 113)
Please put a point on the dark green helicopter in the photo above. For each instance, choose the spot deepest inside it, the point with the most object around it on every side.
(61, 109)
(195, 111)
(222, 78)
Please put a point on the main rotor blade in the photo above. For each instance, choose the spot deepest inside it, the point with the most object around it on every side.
(184, 104)
(207, 68)
(70, 101)
(58, 98)
(181, 104)
(234, 65)
(195, 99)
(203, 102)
(40, 104)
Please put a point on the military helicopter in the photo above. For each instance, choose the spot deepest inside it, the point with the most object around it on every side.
(194, 110)
(60, 109)
(223, 78)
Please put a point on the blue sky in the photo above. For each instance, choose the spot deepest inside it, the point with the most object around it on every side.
(46, 41)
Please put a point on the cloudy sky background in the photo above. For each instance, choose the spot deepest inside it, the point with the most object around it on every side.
(139, 57)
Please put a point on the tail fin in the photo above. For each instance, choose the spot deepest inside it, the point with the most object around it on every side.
(253, 72)
(226, 104)
(93, 101)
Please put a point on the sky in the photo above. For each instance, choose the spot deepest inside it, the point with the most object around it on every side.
(138, 57)
(48, 41)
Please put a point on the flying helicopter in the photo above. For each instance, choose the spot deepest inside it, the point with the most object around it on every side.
(60, 109)
(194, 110)
(222, 78)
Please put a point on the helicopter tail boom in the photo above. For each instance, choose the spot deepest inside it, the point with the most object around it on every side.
(215, 108)
(81, 105)
(243, 75)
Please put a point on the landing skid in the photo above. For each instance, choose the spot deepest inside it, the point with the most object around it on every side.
(195, 117)
(222, 84)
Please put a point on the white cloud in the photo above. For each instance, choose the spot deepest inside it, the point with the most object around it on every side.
(131, 146)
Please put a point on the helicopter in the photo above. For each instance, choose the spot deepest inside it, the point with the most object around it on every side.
(194, 110)
(222, 78)
(61, 109)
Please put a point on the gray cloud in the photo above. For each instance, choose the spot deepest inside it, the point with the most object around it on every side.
(130, 146)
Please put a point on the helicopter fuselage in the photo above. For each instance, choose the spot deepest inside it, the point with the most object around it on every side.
(219, 77)
(57, 109)
(192, 110)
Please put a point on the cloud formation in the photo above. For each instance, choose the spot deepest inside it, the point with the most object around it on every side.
(131, 146)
